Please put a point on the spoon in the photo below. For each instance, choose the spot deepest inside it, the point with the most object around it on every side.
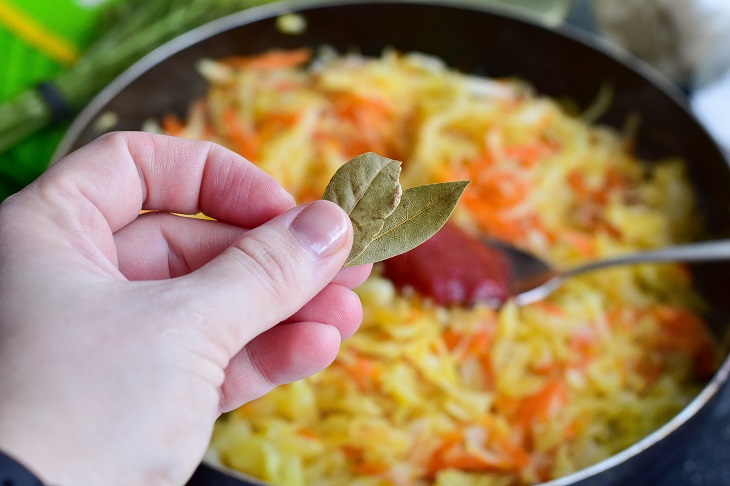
(533, 279)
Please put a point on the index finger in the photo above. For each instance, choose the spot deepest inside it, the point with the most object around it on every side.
(124, 172)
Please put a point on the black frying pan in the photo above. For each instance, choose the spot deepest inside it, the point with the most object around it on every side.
(559, 62)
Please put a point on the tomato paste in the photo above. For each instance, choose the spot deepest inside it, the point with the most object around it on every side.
(453, 268)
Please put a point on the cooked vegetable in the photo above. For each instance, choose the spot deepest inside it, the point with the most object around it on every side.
(460, 395)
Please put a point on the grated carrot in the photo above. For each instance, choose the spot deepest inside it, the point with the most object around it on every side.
(244, 140)
(172, 125)
(687, 332)
(543, 404)
(274, 59)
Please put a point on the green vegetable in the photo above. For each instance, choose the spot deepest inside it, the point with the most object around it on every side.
(385, 221)
(134, 28)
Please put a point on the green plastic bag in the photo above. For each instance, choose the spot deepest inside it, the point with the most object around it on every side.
(38, 40)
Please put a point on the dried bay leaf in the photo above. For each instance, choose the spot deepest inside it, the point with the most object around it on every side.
(422, 211)
(367, 188)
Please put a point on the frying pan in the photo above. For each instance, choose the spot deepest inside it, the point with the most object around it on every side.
(560, 62)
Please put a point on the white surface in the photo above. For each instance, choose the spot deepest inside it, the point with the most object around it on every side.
(687, 40)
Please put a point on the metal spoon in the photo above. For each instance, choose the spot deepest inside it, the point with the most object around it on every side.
(534, 279)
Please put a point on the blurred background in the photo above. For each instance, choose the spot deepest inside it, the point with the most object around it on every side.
(57, 55)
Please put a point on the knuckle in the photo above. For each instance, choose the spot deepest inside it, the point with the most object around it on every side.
(112, 141)
(9, 207)
(110, 138)
(63, 185)
(196, 324)
(274, 266)
(260, 368)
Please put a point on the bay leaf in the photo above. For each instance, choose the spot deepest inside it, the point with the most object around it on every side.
(422, 211)
(367, 188)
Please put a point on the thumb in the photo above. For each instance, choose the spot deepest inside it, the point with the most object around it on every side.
(271, 272)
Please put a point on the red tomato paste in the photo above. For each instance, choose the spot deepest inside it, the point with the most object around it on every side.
(453, 268)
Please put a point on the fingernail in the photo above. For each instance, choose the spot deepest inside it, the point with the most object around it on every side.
(321, 226)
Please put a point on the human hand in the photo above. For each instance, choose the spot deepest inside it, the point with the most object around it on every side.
(123, 337)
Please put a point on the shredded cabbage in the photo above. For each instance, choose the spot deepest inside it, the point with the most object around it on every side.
(467, 396)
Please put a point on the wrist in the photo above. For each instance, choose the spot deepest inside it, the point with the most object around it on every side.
(14, 473)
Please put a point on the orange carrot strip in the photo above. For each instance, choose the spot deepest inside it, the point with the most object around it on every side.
(584, 244)
(172, 125)
(550, 308)
(308, 433)
(451, 338)
(543, 404)
(244, 141)
(364, 372)
(687, 332)
(577, 182)
(274, 59)
(479, 341)
(529, 154)
(369, 468)
(274, 123)
(516, 455)
(450, 454)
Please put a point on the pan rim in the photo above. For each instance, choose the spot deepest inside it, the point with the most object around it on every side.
(253, 14)
(674, 94)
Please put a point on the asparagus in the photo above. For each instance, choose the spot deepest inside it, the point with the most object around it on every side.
(133, 29)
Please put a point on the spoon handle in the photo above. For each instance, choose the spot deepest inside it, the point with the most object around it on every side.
(693, 252)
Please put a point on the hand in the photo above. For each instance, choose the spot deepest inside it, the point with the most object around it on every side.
(123, 337)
